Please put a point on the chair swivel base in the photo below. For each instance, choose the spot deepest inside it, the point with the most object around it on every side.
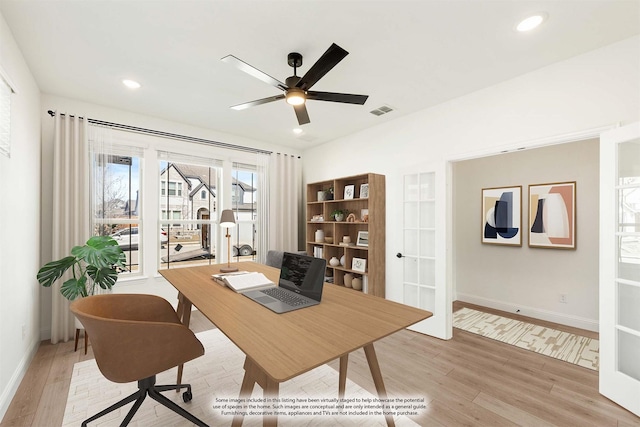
(147, 387)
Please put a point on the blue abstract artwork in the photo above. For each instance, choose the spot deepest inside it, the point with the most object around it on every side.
(502, 219)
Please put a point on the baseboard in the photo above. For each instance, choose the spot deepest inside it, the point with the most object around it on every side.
(549, 316)
(16, 379)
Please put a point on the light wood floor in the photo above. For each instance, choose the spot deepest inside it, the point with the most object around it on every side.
(466, 381)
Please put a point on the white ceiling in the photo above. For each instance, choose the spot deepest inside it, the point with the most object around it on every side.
(409, 55)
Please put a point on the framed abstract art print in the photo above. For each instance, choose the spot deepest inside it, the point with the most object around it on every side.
(502, 216)
(552, 215)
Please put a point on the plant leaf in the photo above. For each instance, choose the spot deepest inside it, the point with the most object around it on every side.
(72, 288)
(104, 277)
(99, 251)
(53, 270)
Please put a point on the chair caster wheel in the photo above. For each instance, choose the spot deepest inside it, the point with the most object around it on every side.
(187, 396)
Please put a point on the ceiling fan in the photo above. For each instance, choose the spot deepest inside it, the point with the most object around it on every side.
(296, 89)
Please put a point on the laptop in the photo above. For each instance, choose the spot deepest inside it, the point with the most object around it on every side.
(299, 286)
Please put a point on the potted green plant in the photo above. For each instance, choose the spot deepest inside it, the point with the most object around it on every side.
(328, 193)
(97, 263)
(338, 214)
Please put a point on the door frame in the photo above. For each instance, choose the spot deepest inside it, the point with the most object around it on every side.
(591, 133)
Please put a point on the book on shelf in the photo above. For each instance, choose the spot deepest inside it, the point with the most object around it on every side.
(317, 251)
(242, 281)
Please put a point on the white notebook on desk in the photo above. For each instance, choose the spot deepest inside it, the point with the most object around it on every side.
(244, 281)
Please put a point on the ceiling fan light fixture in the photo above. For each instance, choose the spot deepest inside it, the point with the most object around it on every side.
(295, 96)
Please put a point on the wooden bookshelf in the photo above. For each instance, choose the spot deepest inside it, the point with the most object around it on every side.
(319, 218)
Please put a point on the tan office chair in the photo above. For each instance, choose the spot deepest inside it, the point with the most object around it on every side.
(135, 337)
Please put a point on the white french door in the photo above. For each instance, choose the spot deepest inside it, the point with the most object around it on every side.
(620, 266)
(424, 249)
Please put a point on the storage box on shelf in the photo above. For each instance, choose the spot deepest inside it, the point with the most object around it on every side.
(362, 199)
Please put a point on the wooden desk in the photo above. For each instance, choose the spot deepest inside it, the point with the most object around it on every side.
(279, 347)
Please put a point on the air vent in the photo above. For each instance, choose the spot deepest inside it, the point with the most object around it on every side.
(381, 110)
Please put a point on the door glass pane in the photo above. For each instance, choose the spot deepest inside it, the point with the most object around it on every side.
(427, 215)
(410, 270)
(411, 295)
(410, 243)
(629, 257)
(411, 188)
(427, 299)
(410, 215)
(629, 206)
(628, 307)
(427, 272)
(428, 243)
(629, 354)
(427, 186)
(628, 164)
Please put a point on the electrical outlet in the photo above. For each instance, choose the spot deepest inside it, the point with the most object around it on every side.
(563, 298)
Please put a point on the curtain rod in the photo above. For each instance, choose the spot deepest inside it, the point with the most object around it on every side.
(169, 135)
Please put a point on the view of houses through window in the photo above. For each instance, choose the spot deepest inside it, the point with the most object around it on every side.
(116, 197)
(188, 209)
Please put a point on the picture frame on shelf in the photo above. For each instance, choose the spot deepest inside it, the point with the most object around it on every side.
(364, 191)
(363, 238)
(552, 215)
(359, 264)
(364, 215)
(348, 191)
(502, 216)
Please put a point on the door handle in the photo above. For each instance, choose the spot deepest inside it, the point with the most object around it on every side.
(399, 255)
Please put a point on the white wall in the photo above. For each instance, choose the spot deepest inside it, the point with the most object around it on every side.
(19, 224)
(523, 278)
(596, 89)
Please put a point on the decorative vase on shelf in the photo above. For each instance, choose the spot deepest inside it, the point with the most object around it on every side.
(334, 262)
(356, 283)
(342, 260)
(319, 236)
(321, 196)
(339, 217)
(348, 280)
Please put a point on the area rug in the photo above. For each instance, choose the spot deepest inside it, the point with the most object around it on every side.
(561, 345)
(216, 378)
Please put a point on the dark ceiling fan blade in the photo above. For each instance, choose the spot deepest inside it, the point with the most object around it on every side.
(257, 102)
(327, 61)
(301, 114)
(346, 98)
(252, 71)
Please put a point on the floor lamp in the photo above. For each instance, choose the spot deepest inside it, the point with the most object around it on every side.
(227, 220)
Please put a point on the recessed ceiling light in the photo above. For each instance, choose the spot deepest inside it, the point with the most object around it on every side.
(131, 84)
(297, 131)
(531, 22)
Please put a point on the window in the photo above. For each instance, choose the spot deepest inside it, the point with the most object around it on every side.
(191, 230)
(177, 223)
(175, 188)
(5, 117)
(116, 202)
(243, 198)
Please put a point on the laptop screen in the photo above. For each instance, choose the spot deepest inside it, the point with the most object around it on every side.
(303, 274)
